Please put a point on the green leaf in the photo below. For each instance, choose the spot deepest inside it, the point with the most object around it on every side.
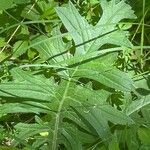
(24, 90)
(28, 130)
(94, 119)
(7, 148)
(115, 116)
(10, 3)
(25, 76)
(144, 135)
(145, 112)
(74, 24)
(21, 1)
(26, 107)
(83, 114)
(114, 145)
(51, 47)
(18, 48)
(82, 32)
(138, 104)
(114, 11)
(27, 87)
(110, 77)
(72, 138)
(2, 42)
(6, 4)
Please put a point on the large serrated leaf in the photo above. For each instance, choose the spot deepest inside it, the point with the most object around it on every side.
(24, 90)
(82, 32)
(76, 104)
(26, 86)
(115, 116)
(110, 77)
(51, 47)
(90, 38)
(95, 120)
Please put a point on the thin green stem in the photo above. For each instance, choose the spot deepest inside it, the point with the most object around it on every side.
(58, 115)
(142, 34)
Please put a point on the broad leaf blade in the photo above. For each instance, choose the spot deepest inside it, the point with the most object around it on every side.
(75, 24)
(110, 77)
(24, 91)
(138, 104)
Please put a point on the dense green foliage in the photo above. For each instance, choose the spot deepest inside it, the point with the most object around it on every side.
(74, 75)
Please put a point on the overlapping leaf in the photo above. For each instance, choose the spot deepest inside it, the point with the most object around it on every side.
(10, 3)
(82, 32)
(27, 87)
(89, 110)
(51, 47)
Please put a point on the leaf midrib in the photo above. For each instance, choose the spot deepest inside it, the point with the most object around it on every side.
(58, 115)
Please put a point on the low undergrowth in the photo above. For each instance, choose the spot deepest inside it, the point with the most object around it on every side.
(74, 75)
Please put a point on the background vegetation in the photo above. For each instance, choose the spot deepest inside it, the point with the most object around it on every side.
(74, 75)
